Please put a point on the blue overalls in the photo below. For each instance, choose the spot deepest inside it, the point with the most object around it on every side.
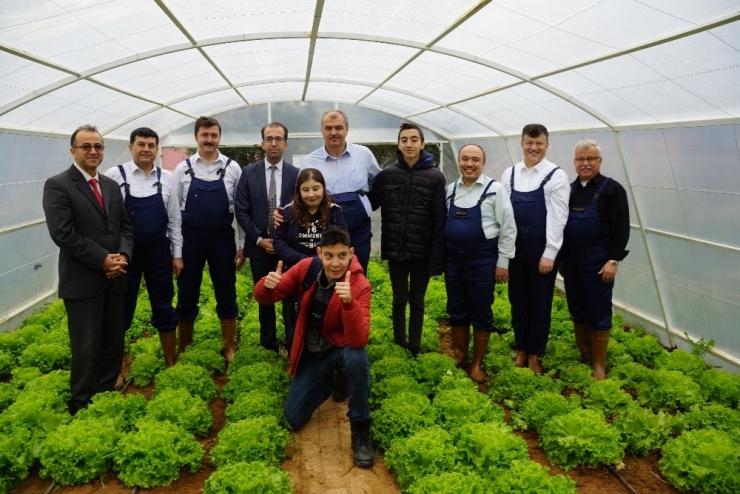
(530, 293)
(585, 252)
(207, 236)
(151, 257)
(358, 223)
(471, 265)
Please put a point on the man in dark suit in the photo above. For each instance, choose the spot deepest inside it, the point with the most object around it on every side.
(87, 220)
(267, 184)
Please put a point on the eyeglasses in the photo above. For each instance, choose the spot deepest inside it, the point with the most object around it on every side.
(590, 159)
(87, 147)
(278, 140)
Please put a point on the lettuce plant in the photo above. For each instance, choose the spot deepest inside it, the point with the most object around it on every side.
(456, 407)
(391, 367)
(16, 458)
(154, 455)
(12, 343)
(684, 362)
(515, 385)
(8, 393)
(24, 375)
(489, 448)
(261, 375)
(392, 386)
(210, 360)
(400, 416)
(642, 430)
(528, 476)
(721, 387)
(714, 416)
(577, 376)
(145, 367)
(251, 355)
(39, 412)
(451, 483)
(630, 374)
(7, 363)
(645, 350)
(256, 403)
(180, 407)
(669, 390)
(46, 356)
(257, 439)
(606, 396)
(123, 410)
(707, 461)
(430, 367)
(426, 452)
(581, 437)
(192, 378)
(256, 476)
(537, 410)
(78, 452)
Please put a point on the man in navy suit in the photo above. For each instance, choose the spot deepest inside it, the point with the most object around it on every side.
(87, 219)
(267, 184)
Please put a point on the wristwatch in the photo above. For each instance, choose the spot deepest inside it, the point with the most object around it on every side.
(614, 262)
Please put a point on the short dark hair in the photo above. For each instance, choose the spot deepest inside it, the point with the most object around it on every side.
(333, 235)
(275, 124)
(474, 145)
(327, 112)
(143, 132)
(206, 122)
(535, 130)
(410, 126)
(87, 127)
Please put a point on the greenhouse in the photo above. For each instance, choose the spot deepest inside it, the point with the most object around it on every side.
(651, 81)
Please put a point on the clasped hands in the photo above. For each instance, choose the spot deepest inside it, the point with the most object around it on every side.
(113, 265)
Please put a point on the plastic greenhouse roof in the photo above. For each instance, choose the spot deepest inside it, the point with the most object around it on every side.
(459, 67)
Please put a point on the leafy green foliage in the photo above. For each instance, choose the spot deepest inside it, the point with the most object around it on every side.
(56, 382)
(531, 477)
(24, 375)
(721, 387)
(430, 367)
(581, 437)
(46, 356)
(607, 396)
(8, 393)
(7, 362)
(577, 376)
(192, 378)
(684, 362)
(256, 376)
(669, 390)
(392, 386)
(538, 409)
(616, 354)
(560, 354)
(699, 348)
(16, 458)
(489, 448)
(149, 346)
(252, 355)
(450, 483)
(257, 439)
(391, 367)
(516, 385)
(400, 416)
(257, 477)
(630, 374)
(39, 412)
(123, 410)
(455, 407)
(48, 317)
(642, 430)
(457, 379)
(180, 407)
(256, 403)
(714, 416)
(645, 350)
(707, 461)
(495, 363)
(146, 367)
(154, 455)
(435, 300)
(12, 343)
(426, 452)
(32, 332)
(78, 452)
(210, 360)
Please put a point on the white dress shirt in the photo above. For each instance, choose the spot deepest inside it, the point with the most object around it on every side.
(88, 177)
(209, 173)
(145, 185)
(497, 215)
(355, 169)
(557, 195)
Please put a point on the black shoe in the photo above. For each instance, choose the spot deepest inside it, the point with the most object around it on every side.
(340, 386)
(362, 446)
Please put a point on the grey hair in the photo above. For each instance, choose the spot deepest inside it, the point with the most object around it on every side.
(587, 144)
(327, 112)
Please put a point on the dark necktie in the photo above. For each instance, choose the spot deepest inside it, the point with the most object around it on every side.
(94, 184)
(272, 197)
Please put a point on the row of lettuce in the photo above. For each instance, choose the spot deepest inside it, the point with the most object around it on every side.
(147, 443)
(441, 436)
(438, 433)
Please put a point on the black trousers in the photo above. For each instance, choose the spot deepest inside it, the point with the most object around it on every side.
(409, 281)
(96, 334)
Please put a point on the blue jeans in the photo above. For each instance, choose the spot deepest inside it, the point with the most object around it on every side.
(313, 384)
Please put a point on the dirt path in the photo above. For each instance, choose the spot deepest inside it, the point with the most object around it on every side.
(322, 461)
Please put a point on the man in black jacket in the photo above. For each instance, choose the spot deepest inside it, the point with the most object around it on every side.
(411, 193)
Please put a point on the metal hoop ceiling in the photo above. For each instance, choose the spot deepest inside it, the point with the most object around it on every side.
(461, 68)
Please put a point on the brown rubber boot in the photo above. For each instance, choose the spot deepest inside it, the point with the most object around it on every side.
(460, 343)
(521, 358)
(185, 335)
(228, 334)
(583, 340)
(480, 346)
(167, 340)
(534, 364)
(599, 345)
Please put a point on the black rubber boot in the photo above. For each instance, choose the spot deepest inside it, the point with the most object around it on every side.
(340, 386)
(362, 446)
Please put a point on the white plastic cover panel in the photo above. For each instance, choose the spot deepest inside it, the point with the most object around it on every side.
(264, 60)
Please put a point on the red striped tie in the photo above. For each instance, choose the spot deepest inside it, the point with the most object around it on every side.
(94, 184)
